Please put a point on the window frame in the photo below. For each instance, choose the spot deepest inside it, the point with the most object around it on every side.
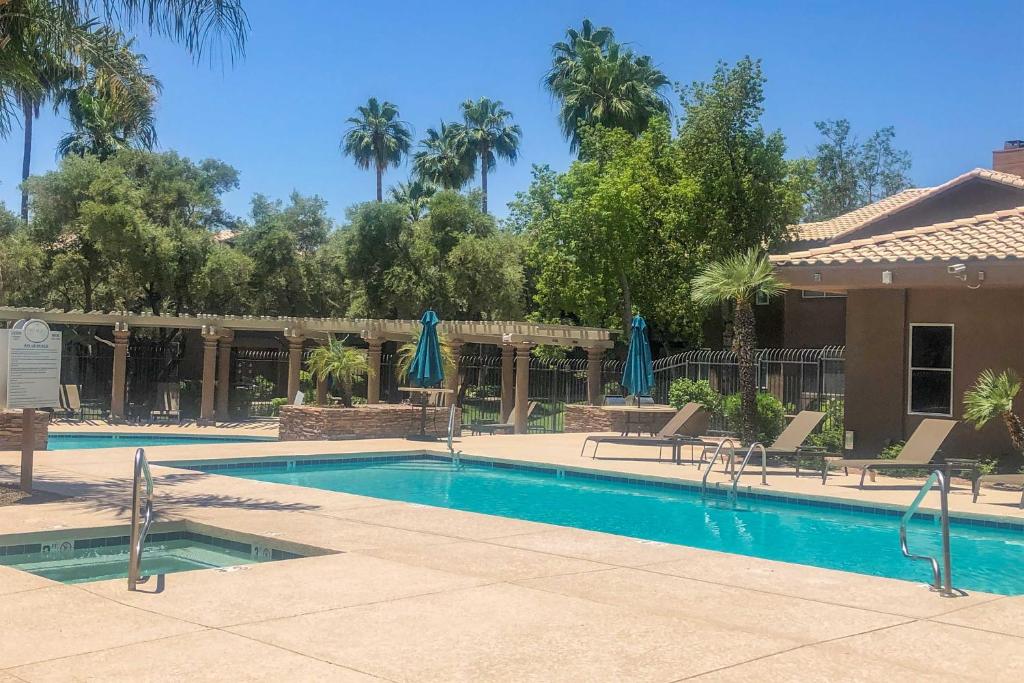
(818, 294)
(911, 368)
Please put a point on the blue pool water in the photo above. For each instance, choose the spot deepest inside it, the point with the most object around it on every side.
(984, 558)
(59, 442)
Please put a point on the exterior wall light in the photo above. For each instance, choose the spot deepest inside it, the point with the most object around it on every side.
(886, 277)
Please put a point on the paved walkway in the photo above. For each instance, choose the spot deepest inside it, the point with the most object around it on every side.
(419, 593)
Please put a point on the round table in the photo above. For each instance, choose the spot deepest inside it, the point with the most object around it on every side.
(424, 393)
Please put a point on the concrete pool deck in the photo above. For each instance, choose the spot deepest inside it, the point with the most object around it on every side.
(421, 593)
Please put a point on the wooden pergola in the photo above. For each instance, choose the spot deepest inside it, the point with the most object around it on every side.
(515, 338)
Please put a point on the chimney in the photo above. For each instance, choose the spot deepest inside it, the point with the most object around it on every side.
(1009, 159)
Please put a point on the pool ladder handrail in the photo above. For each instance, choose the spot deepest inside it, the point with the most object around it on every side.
(140, 529)
(451, 433)
(711, 462)
(944, 588)
(746, 458)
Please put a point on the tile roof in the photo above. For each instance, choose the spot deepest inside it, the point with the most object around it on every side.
(998, 235)
(858, 218)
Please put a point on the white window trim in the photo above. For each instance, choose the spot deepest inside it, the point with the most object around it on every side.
(911, 368)
(818, 294)
(761, 299)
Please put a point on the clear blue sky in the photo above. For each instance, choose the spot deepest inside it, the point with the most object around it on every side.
(948, 75)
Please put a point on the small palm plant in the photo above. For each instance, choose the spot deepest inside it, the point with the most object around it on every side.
(407, 351)
(992, 396)
(737, 280)
(344, 364)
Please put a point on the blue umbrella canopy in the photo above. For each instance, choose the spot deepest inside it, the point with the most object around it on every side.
(427, 368)
(638, 377)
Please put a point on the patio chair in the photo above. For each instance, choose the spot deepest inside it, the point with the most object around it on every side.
(919, 451)
(501, 427)
(1011, 479)
(789, 445)
(168, 402)
(683, 429)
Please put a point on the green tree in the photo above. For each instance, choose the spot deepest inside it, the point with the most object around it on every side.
(744, 196)
(489, 135)
(377, 139)
(598, 81)
(341, 363)
(442, 159)
(736, 280)
(991, 397)
(850, 174)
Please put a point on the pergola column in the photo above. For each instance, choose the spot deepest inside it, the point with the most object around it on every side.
(508, 379)
(295, 341)
(522, 388)
(595, 359)
(117, 388)
(206, 407)
(451, 380)
(227, 338)
(373, 354)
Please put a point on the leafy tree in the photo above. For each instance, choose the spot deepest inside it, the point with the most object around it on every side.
(343, 364)
(992, 396)
(735, 280)
(377, 139)
(598, 81)
(744, 197)
(850, 174)
(488, 134)
(443, 159)
(415, 195)
(21, 268)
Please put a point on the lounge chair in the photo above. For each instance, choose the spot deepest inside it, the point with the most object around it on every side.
(1011, 479)
(789, 445)
(920, 449)
(501, 427)
(70, 401)
(683, 429)
(168, 402)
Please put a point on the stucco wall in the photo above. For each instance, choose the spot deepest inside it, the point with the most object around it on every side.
(814, 323)
(988, 333)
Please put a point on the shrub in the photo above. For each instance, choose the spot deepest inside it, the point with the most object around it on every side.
(276, 403)
(832, 436)
(771, 415)
(685, 390)
(262, 388)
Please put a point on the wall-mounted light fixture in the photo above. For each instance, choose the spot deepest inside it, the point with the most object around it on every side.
(886, 277)
(816, 277)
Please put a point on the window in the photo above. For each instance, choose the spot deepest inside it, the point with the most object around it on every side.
(761, 299)
(811, 294)
(931, 370)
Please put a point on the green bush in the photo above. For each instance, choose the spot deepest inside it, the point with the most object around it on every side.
(276, 403)
(484, 391)
(262, 388)
(685, 390)
(832, 436)
(771, 415)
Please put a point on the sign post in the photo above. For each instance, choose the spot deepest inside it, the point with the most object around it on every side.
(29, 379)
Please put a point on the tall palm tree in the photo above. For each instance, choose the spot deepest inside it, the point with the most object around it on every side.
(415, 195)
(597, 81)
(992, 396)
(736, 280)
(377, 138)
(565, 55)
(488, 135)
(443, 159)
(44, 43)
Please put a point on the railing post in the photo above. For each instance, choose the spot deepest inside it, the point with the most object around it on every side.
(947, 561)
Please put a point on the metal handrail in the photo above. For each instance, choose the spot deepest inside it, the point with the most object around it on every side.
(945, 589)
(451, 432)
(711, 463)
(138, 536)
(746, 458)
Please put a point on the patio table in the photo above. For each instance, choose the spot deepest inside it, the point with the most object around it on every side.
(424, 393)
(629, 412)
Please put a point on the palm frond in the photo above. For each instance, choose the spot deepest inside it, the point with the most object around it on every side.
(736, 278)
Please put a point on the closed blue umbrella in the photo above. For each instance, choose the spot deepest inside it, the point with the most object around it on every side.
(427, 369)
(638, 377)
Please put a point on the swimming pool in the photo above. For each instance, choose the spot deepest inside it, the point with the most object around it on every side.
(803, 531)
(60, 441)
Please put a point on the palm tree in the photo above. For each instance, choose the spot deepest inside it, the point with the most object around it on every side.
(45, 44)
(344, 364)
(414, 195)
(102, 129)
(992, 396)
(407, 352)
(377, 138)
(737, 280)
(597, 81)
(488, 135)
(565, 55)
(443, 159)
